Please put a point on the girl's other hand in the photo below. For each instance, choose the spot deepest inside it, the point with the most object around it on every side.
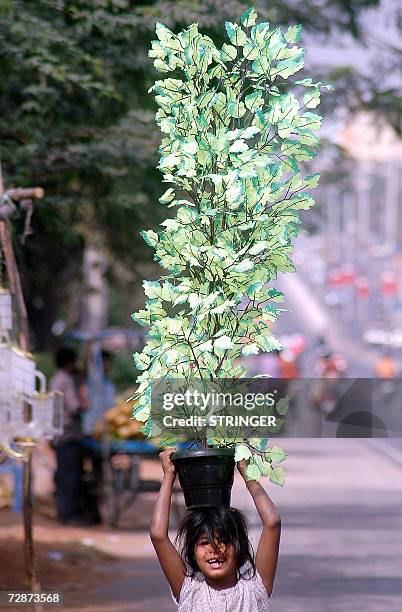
(165, 459)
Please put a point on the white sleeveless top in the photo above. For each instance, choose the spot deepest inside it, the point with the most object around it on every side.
(248, 595)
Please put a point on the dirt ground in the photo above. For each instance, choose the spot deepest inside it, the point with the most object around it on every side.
(62, 566)
(75, 560)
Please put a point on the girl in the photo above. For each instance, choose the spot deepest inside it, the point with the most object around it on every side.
(216, 569)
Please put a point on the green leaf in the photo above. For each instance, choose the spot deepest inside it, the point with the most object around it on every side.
(238, 146)
(236, 35)
(248, 18)
(152, 289)
(268, 343)
(205, 347)
(150, 237)
(276, 454)
(306, 82)
(170, 161)
(288, 67)
(265, 467)
(259, 32)
(293, 34)
(301, 201)
(254, 101)
(242, 452)
(252, 472)
(141, 360)
(224, 307)
(141, 413)
(167, 196)
(236, 109)
(250, 349)
(277, 476)
(261, 65)
(210, 361)
(259, 247)
(251, 51)
(282, 406)
(312, 98)
(311, 121)
(223, 343)
(311, 180)
(161, 66)
(173, 326)
(162, 32)
(258, 443)
(190, 147)
(220, 333)
(251, 289)
(250, 131)
(228, 52)
(244, 266)
(275, 295)
(141, 317)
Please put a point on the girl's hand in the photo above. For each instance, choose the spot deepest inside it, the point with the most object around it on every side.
(241, 466)
(167, 464)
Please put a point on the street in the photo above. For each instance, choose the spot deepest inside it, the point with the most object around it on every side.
(341, 549)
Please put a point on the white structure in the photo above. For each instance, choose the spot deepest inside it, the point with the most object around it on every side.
(25, 412)
(6, 321)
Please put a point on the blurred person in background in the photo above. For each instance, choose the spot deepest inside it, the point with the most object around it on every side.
(386, 366)
(68, 446)
(105, 391)
(387, 388)
(330, 365)
(92, 428)
(287, 364)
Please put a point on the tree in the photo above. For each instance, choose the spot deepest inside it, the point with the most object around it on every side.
(76, 118)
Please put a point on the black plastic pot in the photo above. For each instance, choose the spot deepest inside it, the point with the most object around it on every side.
(206, 476)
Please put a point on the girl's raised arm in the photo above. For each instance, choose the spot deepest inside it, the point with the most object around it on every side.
(169, 558)
(268, 546)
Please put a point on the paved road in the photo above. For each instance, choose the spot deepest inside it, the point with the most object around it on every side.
(341, 548)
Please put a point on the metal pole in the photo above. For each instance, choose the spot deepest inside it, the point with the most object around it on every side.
(16, 291)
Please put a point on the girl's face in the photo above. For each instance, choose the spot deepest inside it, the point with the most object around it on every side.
(216, 562)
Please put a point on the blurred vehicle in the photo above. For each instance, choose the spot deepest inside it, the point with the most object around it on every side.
(382, 337)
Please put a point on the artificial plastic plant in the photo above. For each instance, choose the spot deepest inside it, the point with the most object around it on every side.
(236, 126)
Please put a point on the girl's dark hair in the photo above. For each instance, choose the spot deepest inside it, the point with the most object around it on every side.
(226, 525)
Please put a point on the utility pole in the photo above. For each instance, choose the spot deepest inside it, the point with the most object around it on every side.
(333, 224)
(363, 203)
(391, 205)
(7, 206)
